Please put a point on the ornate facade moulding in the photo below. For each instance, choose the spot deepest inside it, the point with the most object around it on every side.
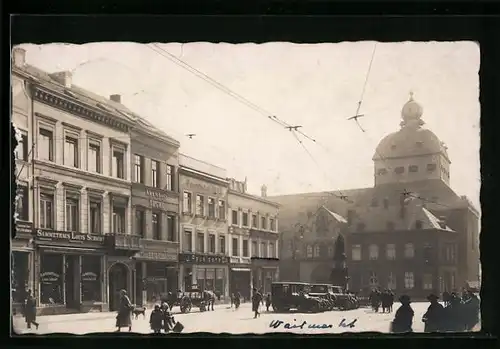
(76, 109)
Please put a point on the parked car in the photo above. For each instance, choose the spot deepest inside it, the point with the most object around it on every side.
(294, 295)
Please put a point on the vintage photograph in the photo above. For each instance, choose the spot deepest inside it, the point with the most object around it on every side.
(246, 188)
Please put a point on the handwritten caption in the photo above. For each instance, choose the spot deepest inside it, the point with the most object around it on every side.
(304, 324)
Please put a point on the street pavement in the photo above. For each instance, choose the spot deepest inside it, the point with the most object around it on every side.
(227, 320)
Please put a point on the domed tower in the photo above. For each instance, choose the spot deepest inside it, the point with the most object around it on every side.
(413, 153)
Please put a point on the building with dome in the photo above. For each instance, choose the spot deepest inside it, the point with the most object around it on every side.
(410, 232)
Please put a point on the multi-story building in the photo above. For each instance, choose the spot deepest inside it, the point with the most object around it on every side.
(410, 208)
(155, 205)
(253, 235)
(203, 261)
(79, 190)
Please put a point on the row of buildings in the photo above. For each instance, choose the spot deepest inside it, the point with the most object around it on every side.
(410, 232)
(105, 201)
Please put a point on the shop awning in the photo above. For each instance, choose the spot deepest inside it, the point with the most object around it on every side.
(58, 249)
(240, 269)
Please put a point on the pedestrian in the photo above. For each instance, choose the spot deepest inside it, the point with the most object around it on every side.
(256, 300)
(237, 300)
(454, 317)
(385, 298)
(446, 298)
(471, 309)
(30, 310)
(124, 317)
(233, 296)
(156, 319)
(168, 319)
(375, 300)
(434, 316)
(268, 301)
(391, 300)
(403, 319)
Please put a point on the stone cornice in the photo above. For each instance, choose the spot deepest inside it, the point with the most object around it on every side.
(253, 197)
(64, 103)
(144, 132)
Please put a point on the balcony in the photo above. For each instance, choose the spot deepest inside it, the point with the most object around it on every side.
(123, 242)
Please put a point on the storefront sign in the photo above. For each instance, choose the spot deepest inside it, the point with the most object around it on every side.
(156, 256)
(203, 187)
(24, 227)
(157, 199)
(51, 235)
(89, 276)
(202, 259)
(49, 277)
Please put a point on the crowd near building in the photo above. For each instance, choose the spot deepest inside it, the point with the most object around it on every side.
(410, 232)
(105, 201)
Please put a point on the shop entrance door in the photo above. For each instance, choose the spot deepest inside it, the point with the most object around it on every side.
(70, 279)
(118, 278)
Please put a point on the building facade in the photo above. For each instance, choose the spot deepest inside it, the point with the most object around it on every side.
(203, 261)
(155, 206)
(254, 240)
(411, 194)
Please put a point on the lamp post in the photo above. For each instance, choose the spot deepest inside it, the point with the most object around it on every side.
(297, 237)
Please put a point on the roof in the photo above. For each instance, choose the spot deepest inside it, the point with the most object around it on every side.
(336, 216)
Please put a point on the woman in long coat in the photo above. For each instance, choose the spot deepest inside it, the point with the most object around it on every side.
(434, 317)
(30, 310)
(124, 317)
(403, 320)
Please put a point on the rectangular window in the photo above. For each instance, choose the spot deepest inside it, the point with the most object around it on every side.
(138, 164)
(245, 219)
(211, 243)
(409, 251)
(222, 244)
(390, 251)
(356, 252)
(187, 202)
(222, 209)
(235, 247)
(254, 221)
(200, 242)
(119, 219)
(391, 281)
(200, 205)
(316, 251)
(95, 217)
(170, 178)
(413, 168)
(427, 281)
(118, 165)
(263, 249)
(72, 216)
(263, 223)
(255, 250)
(409, 280)
(271, 250)
(171, 228)
(373, 252)
(91, 278)
(46, 211)
(22, 203)
(140, 222)
(22, 148)
(71, 152)
(211, 207)
(94, 158)
(156, 225)
(45, 145)
(272, 223)
(155, 181)
(188, 241)
(245, 248)
(234, 218)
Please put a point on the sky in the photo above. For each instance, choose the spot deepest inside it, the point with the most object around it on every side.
(317, 86)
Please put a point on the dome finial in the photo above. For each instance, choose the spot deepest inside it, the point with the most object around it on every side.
(411, 95)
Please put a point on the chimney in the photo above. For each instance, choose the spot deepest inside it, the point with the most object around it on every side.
(263, 191)
(116, 98)
(64, 78)
(18, 57)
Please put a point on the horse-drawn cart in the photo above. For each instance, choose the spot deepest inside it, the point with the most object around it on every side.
(187, 300)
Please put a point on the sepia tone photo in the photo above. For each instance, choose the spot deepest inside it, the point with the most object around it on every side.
(246, 188)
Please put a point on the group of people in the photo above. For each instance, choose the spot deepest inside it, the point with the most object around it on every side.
(384, 299)
(459, 314)
(257, 299)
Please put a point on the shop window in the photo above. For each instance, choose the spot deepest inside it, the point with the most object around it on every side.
(235, 247)
(245, 219)
(187, 202)
(187, 244)
(390, 251)
(222, 244)
(119, 219)
(171, 228)
(211, 243)
(211, 208)
(156, 225)
(222, 209)
(409, 280)
(71, 152)
(19, 275)
(46, 145)
(427, 282)
(200, 205)
(91, 278)
(22, 203)
(72, 216)
(140, 222)
(356, 252)
(46, 211)
(245, 248)
(94, 157)
(255, 251)
(170, 177)
(254, 221)
(200, 278)
(51, 278)
(200, 242)
(118, 166)
(373, 252)
(210, 279)
(263, 249)
(219, 280)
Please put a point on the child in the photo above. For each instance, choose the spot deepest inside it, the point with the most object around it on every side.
(156, 319)
(268, 301)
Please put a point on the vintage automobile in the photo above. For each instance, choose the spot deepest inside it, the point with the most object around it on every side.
(294, 295)
(325, 293)
(344, 300)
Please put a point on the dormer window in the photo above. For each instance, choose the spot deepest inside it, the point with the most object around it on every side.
(431, 167)
(413, 168)
(382, 171)
(418, 224)
(399, 170)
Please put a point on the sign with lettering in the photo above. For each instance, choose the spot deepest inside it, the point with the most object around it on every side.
(24, 227)
(49, 276)
(194, 258)
(203, 187)
(89, 276)
(156, 256)
(51, 235)
(157, 199)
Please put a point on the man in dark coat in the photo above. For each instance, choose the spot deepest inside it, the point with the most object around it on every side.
(256, 300)
(375, 300)
(471, 308)
(403, 320)
(124, 317)
(434, 316)
(30, 310)
(391, 300)
(454, 320)
(386, 299)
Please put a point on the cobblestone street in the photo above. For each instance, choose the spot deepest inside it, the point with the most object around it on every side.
(224, 319)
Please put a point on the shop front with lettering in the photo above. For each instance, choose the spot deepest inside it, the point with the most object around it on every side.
(21, 261)
(70, 272)
(205, 272)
